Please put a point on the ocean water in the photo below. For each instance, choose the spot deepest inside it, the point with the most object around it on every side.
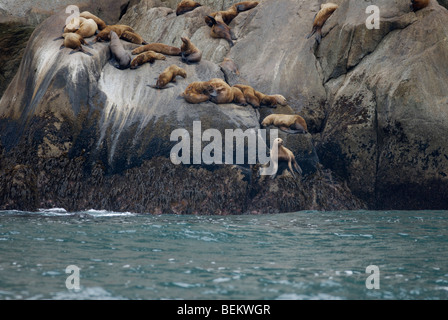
(302, 255)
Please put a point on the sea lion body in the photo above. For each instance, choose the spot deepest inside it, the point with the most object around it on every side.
(418, 4)
(326, 10)
(189, 52)
(215, 90)
(117, 50)
(290, 123)
(186, 6)
(133, 37)
(169, 75)
(88, 28)
(280, 153)
(220, 30)
(74, 41)
(144, 57)
(245, 5)
(104, 35)
(158, 47)
(74, 25)
(231, 13)
(249, 95)
(99, 22)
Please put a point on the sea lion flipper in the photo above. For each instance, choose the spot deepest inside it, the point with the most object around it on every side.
(61, 47)
(58, 38)
(213, 21)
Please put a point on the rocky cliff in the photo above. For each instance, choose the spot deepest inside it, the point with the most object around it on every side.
(78, 133)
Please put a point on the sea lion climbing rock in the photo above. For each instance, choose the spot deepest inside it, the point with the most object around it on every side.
(326, 10)
(121, 56)
(280, 153)
(73, 41)
(220, 30)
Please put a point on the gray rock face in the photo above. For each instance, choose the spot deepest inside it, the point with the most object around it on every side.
(374, 101)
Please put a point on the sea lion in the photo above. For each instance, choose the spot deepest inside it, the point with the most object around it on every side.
(220, 29)
(326, 10)
(104, 35)
(245, 5)
(158, 47)
(271, 100)
(281, 153)
(73, 41)
(133, 37)
(249, 95)
(186, 6)
(99, 22)
(231, 13)
(87, 29)
(418, 4)
(121, 56)
(197, 92)
(215, 90)
(189, 52)
(228, 64)
(147, 56)
(169, 75)
(74, 25)
(290, 123)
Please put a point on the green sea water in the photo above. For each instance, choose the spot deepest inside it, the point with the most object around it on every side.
(302, 255)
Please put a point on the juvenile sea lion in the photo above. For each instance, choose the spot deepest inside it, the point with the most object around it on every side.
(418, 4)
(186, 6)
(220, 29)
(291, 123)
(99, 22)
(73, 41)
(271, 100)
(104, 35)
(158, 47)
(133, 37)
(121, 56)
(169, 75)
(87, 29)
(326, 10)
(147, 56)
(281, 153)
(190, 53)
(74, 25)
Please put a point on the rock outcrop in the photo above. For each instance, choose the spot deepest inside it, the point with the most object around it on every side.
(93, 136)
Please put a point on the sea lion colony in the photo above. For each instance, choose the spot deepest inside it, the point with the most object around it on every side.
(214, 90)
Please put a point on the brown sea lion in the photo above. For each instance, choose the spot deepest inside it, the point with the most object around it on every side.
(133, 37)
(189, 52)
(73, 41)
(147, 56)
(221, 30)
(169, 75)
(158, 47)
(245, 5)
(326, 10)
(418, 4)
(271, 100)
(99, 22)
(104, 35)
(291, 123)
(186, 6)
(74, 25)
(215, 90)
(280, 153)
(229, 65)
(121, 56)
(87, 29)
(249, 95)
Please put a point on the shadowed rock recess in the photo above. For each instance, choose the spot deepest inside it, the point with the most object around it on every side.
(78, 133)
